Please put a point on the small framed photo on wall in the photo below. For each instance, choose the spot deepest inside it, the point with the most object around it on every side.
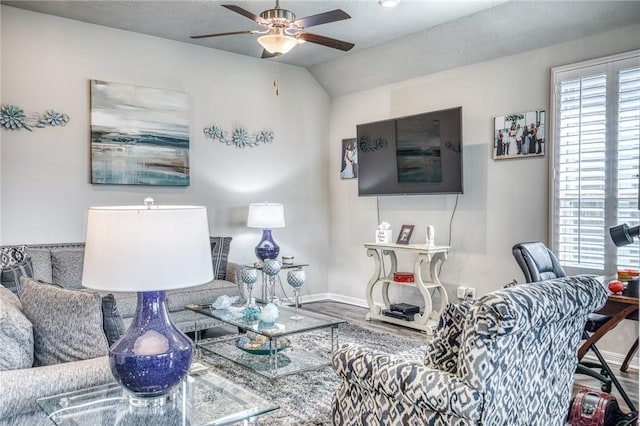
(405, 234)
(519, 135)
(349, 168)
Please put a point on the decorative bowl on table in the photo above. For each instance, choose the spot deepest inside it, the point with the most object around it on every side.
(261, 345)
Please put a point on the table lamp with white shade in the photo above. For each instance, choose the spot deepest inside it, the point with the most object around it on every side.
(266, 216)
(148, 249)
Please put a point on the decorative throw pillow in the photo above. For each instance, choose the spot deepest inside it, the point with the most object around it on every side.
(16, 334)
(41, 260)
(111, 319)
(442, 350)
(67, 266)
(10, 276)
(9, 256)
(220, 247)
(67, 324)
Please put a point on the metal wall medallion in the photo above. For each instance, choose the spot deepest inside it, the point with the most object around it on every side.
(14, 118)
(240, 137)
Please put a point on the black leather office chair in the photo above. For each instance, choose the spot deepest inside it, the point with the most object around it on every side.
(538, 263)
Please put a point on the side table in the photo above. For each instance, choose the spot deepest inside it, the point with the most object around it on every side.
(433, 256)
(268, 282)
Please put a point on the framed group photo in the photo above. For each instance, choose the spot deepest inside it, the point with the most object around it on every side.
(519, 135)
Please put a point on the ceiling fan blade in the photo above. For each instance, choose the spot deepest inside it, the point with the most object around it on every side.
(223, 34)
(326, 41)
(266, 54)
(322, 18)
(246, 13)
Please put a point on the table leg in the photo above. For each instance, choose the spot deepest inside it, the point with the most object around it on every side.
(273, 356)
(627, 359)
(377, 275)
(264, 287)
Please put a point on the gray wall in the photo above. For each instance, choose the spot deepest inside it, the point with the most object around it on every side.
(47, 63)
(504, 201)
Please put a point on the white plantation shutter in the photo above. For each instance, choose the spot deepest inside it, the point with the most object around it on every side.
(628, 159)
(596, 151)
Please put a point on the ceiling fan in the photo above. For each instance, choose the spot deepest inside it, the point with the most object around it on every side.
(282, 31)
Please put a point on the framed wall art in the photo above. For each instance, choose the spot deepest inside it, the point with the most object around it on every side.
(519, 135)
(139, 135)
(349, 169)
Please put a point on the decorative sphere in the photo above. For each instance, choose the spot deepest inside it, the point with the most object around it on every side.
(616, 286)
(296, 278)
(248, 275)
(269, 313)
(271, 267)
(251, 313)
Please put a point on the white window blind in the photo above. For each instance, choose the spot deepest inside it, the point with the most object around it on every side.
(596, 154)
(627, 159)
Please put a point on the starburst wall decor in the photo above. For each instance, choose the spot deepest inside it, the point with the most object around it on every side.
(14, 118)
(240, 137)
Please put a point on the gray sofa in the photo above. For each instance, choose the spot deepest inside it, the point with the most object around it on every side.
(61, 264)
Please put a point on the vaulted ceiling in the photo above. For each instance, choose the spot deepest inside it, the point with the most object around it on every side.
(391, 44)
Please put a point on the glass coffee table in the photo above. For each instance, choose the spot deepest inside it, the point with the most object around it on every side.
(203, 398)
(281, 356)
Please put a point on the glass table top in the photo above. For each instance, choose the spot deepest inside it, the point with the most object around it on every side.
(288, 358)
(203, 398)
(283, 326)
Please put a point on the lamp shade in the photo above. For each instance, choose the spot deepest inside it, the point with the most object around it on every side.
(266, 216)
(139, 248)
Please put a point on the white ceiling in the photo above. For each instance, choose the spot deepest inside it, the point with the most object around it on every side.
(415, 38)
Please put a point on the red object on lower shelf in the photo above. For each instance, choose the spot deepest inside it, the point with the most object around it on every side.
(403, 277)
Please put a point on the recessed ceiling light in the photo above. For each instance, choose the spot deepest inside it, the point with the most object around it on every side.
(388, 3)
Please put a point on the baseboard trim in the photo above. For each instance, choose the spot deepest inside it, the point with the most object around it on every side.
(615, 360)
(332, 297)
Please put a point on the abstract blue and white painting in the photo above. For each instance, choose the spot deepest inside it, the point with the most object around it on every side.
(139, 135)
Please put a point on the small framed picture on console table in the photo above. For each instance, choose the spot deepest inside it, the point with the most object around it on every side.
(405, 234)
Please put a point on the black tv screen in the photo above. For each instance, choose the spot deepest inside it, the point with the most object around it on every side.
(418, 154)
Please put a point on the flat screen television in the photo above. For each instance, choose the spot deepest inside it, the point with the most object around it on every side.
(418, 154)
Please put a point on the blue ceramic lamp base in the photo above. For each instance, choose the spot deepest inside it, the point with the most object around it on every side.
(267, 248)
(154, 355)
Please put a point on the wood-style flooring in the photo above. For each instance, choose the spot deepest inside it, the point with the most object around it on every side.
(356, 315)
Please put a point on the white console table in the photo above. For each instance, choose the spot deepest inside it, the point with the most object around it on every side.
(431, 255)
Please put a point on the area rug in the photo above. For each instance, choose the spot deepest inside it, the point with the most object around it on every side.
(305, 398)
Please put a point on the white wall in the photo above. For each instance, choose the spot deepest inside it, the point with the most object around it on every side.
(47, 63)
(504, 202)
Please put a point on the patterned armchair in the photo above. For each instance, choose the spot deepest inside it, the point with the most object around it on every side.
(507, 359)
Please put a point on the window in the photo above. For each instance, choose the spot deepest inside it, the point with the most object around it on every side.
(595, 131)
